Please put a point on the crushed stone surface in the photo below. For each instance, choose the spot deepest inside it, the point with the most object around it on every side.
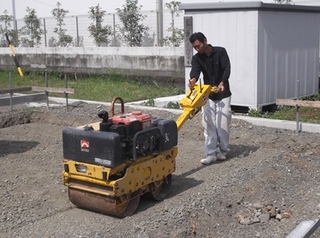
(266, 187)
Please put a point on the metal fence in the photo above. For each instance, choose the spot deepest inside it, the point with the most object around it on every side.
(77, 28)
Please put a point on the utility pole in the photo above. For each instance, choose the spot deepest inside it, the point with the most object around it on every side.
(14, 15)
(159, 21)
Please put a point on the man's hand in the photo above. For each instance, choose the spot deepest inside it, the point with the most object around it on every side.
(192, 82)
(221, 87)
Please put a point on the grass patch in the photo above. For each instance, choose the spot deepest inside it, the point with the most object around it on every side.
(97, 88)
(105, 88)
(306, 114)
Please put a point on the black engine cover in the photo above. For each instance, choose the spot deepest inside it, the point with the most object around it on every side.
(169, 133)
(93, 147)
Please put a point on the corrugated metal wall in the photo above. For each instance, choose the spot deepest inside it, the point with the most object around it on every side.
(287, 55)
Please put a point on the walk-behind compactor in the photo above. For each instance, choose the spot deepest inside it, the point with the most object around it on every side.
(110, 164)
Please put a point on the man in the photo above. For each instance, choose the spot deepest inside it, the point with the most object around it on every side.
(214, 64)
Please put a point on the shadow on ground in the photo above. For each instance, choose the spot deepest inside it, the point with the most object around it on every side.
(182, 182)
(15, 147)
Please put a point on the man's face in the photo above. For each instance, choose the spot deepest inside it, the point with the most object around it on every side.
(199, 46)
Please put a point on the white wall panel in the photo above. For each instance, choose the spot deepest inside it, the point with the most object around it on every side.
(237, 32)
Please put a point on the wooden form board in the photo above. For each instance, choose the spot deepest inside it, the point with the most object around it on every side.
(15, 90)
(37, 89)
(300, 103)
(52, 90)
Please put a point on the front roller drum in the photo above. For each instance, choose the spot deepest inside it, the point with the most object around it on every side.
(159, 190)
(122, 206)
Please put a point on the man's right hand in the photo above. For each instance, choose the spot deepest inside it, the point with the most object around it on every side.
(192, 82)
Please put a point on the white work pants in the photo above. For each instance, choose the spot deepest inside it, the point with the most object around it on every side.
(216, 118)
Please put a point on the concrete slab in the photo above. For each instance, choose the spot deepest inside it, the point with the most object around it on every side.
(19, 99)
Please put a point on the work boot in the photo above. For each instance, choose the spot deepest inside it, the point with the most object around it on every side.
(221, 156)
(210, 159)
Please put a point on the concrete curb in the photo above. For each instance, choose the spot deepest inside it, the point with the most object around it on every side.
(304, 229)
(281, 124)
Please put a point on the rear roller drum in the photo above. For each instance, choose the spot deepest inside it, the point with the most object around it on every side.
(122, 206)
(159, 189)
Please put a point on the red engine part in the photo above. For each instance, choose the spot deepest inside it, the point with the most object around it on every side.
(128, 118)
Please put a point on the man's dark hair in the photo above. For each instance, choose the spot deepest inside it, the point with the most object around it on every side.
(197, 36)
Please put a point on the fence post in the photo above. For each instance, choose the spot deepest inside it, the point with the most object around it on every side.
(297, 119)
(11, 93)
(66, 86)
(77, 30)
(159, 22)
(47, 84)
(45, 32)
(297, 107)
(114, 29)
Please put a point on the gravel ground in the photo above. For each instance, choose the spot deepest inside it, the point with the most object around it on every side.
(266, 187)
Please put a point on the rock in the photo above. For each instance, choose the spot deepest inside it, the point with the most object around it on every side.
(264, 217)
(286, 215)
(279, 217)
(258, 205)
(255, 219)
(245, 221)
(272, 212)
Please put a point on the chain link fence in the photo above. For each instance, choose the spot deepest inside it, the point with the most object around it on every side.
(77, 28)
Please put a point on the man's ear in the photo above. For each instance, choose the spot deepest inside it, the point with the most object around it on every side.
(205, 40)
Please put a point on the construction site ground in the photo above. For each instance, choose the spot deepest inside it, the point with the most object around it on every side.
(268, 185)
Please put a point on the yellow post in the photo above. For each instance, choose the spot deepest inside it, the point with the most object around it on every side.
(14, 57)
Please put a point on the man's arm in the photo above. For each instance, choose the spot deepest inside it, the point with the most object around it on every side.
(225, 64)
(194, 73)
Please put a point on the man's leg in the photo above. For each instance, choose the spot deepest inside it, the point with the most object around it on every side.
(223, 120)
(210, 134)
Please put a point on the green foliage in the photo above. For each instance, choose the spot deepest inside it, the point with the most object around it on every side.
(175, 39)
(177, 34)
(315, 97)
(32, 29)
(63, 38)
(13, 34)
(149, 103)
(132, 31)
(99, 32)
(254, 113)
(173, 105)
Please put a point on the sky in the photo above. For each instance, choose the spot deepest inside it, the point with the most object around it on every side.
(43, 8)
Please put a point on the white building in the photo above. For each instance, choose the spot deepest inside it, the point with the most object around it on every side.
(273, 48)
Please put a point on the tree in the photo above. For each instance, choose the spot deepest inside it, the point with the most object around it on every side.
(13, 34)
(133, 31)
(176, 34)
(32, 29)
(59, 14)
(52, 42)
(99, 33)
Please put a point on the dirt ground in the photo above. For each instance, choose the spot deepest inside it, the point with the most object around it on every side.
(266, 187)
